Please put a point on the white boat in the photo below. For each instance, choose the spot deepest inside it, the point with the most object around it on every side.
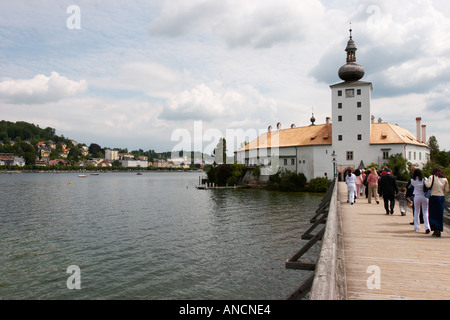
(82, 176)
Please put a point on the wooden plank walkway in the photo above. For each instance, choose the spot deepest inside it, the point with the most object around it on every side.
(411, 265)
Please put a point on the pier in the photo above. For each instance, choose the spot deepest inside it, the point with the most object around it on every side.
(408, 264)
(368, 255)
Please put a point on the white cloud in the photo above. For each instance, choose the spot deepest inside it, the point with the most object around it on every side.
(40, 89)
(216, 102)
(151, 78)
(253, 23)
(158, 65)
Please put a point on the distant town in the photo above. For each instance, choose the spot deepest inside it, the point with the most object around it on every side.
(27, 146)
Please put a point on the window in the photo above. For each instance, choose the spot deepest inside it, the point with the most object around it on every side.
(339, 118)
(340, 93)
(292, 161)
(339, 105)
(285, 162)
(414, 155)
(340, 137)
(359, 117)
(385, 155)
(359, 105)
(358, 92)
(420, 155)
(349, 93)
(409, 155)
(349, 155)
(359, 137)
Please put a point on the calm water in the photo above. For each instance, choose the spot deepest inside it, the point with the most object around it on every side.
(152, 236)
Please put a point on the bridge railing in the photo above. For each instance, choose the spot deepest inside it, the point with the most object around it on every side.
(329, 278)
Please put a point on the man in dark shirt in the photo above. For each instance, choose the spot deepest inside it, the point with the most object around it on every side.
(388, 190)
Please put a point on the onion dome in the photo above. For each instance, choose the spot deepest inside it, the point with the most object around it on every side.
(351, 71)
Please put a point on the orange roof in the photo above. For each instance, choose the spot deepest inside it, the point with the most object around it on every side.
(381, 133)
(302, 136)
(386, 133)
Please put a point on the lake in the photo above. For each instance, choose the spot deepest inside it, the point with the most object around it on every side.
(151, 236)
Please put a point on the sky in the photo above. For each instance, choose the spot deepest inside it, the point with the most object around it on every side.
(178, 74)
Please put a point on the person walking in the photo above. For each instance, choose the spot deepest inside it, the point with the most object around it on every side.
(410, 195)
(402, 201)
(350, 179)
(388, 190)
(372, 181)
(439, 186)
(420, 201)
(358, 183)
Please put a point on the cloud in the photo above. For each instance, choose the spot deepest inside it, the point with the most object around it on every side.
(403, 46)
(254, 23)
(215, 102)
(40, 89)
(151, 78)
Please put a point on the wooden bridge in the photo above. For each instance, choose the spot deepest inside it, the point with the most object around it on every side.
(367, 254)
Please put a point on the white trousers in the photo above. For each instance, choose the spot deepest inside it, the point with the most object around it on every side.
(421, 201)
(351, 187)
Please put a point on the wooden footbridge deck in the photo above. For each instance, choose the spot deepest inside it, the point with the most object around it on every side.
(408, 264)
(368, 255)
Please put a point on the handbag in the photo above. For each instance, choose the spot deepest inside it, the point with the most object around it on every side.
(427, 191)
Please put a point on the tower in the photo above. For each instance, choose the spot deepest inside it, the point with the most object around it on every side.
(350, 108)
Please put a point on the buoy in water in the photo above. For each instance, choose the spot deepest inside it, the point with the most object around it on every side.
(70, 182)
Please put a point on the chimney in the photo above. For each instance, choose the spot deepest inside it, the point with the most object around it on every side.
(424, 133)
(327, 120)
(418, 119)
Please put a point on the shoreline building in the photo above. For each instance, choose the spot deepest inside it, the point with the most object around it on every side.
(111, 155)
(352, 138)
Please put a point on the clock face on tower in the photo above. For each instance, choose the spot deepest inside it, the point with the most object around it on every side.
(349, 93)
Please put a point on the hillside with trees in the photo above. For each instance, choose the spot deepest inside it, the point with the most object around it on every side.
(42, 147)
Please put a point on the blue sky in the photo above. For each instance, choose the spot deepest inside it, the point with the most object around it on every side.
(136, 72)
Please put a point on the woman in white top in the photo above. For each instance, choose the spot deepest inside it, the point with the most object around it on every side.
(420, 201)
(350, 179)
(437, 200)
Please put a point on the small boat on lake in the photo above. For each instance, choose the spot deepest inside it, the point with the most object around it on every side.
(82, 176)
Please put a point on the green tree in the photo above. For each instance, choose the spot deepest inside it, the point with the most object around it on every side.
(434, 148)
(220, 152)
(318, 185)
(438, 158)
(74, 154)
(399, 166)
(223, 173)
(291, 182)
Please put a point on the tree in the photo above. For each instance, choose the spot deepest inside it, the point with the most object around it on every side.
(318, 185)
(224, 171)
(74, 154)
(96, 150)
(438, 158)
(434, 148)
(399, 166)
(220, 152)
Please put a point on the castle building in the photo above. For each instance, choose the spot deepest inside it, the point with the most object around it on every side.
(353, 139)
